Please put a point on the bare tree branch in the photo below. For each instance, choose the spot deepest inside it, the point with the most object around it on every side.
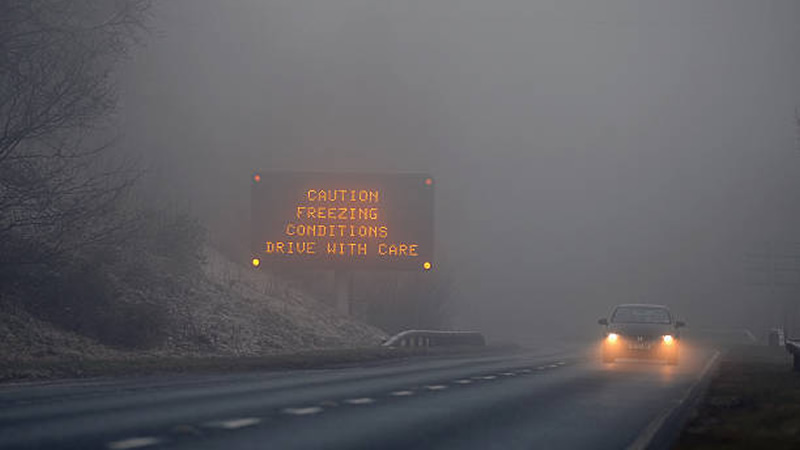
(58, 190)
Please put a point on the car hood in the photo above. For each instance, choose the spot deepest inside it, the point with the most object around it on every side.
(641, 329)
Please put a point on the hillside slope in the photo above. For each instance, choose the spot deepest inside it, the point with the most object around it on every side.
(228, 309)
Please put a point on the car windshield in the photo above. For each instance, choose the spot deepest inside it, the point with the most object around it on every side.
(638, 314)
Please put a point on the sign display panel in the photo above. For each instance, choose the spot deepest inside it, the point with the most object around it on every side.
(342, 220)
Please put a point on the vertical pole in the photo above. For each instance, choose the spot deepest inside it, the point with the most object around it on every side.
(342, 280)
(785, 309)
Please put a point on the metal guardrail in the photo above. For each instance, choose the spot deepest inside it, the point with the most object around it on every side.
(431, 338)
(793, 347)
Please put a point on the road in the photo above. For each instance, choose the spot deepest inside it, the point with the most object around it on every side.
(525, 400)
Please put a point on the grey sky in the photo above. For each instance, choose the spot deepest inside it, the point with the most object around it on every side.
(587, 152)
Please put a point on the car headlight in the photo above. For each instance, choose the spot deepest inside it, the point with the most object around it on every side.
(612, 337)
(668, 339)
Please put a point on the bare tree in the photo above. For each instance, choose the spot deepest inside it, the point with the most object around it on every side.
(58, 178)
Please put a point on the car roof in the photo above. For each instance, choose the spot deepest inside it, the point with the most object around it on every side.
(641, 305)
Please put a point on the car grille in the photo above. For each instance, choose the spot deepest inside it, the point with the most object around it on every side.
(639, 338)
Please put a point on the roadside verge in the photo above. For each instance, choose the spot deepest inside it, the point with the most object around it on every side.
(753, 402)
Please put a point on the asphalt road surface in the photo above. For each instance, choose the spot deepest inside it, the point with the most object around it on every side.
(524, 400)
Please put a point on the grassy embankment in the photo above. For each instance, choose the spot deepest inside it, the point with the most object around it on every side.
(753, 402)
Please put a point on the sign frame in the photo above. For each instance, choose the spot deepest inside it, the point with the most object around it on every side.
(377, 221)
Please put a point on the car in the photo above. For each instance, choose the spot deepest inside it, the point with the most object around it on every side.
(641, 331)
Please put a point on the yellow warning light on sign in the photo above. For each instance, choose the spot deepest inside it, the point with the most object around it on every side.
(256, 262)
(426, 265)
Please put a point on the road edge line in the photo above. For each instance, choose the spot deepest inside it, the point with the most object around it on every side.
(645, 439)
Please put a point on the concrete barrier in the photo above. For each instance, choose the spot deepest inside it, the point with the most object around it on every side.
(432, 338)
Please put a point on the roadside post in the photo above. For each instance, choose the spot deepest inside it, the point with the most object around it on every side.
(343, 286)
(776, 266)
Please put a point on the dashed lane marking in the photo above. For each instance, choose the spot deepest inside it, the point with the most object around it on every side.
(401, 393)
(234, 424)
(360, 401)
(137, 442)
(303, 411)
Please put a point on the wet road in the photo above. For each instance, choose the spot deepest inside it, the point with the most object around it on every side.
(541, 399)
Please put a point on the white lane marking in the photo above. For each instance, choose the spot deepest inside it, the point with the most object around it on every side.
(508, 374)
(136, 442)
(233, 424)
(360, 401)
(644, 439)
(401, 393)
(526, 371)
(489, 377)
(561, 363)
(462, 381)
(303, 411)
(436, 387)
(552, 366)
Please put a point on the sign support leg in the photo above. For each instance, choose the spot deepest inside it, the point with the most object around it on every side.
(343, 281)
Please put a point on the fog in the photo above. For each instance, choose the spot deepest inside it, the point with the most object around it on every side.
(586, 152)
